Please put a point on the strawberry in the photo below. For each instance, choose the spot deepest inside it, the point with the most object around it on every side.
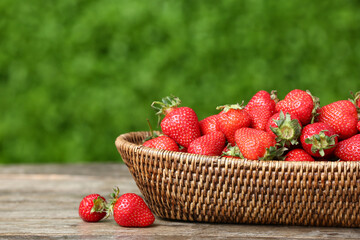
(285, 128)
(358, 126)
(130, 210)
(210, 144)
(179, 123)
(230, 119)
(162, 142)
(231, 152)
(260, 108)
(92, 208)
(298, 103)
(208, 125)
(318, 139)
(298, 155)
(341, 116)
(257, 144)
(349, 149)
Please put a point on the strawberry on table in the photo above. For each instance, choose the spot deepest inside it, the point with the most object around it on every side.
(260, 108)
(208, 125)
(179, 123)
(298, 155)
(318, 139)
(286, 128)
(130, 210)
(299, 103)
(92, 208)
(210, 144)
(257, 144)
(341, 116)
(230, 119)
(349, 149)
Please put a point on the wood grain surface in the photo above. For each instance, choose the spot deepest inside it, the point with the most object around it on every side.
(41, 202)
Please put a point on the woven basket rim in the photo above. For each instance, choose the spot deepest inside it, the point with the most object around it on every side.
(123, 140)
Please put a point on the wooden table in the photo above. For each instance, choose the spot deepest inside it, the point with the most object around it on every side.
(41, 202)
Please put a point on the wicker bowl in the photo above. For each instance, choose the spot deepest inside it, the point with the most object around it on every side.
(190, 187)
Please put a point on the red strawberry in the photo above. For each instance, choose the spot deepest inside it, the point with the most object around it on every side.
(285, 128)
(260, 108)
(179, 123)
(162, 142)
(92, 208)
(231, 119)
(130, 210)
(208, 125)
(298, 155)
(341, 116)
(299, 103)
(349, 149)
(210, 144)
(231, 152)
(358, 126)
(318, 139)
(256, 144)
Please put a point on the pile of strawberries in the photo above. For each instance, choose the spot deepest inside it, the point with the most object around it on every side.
(295, 128)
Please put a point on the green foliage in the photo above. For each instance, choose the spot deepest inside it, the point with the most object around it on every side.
(74, 74)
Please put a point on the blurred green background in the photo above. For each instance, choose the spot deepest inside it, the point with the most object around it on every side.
(74, 74)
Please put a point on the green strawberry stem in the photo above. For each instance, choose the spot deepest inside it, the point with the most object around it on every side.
(287, 131)
(316, 101)
(150, 127)
(227, 107)
(114, 196)
(274, 153)
(99, 205)
(233, 151)
(356, 101)
(152, 133)
(273, 96)
(166, 105)
(357, 96)
(320, 142)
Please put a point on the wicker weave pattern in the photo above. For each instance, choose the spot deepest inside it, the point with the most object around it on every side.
(191, 187)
